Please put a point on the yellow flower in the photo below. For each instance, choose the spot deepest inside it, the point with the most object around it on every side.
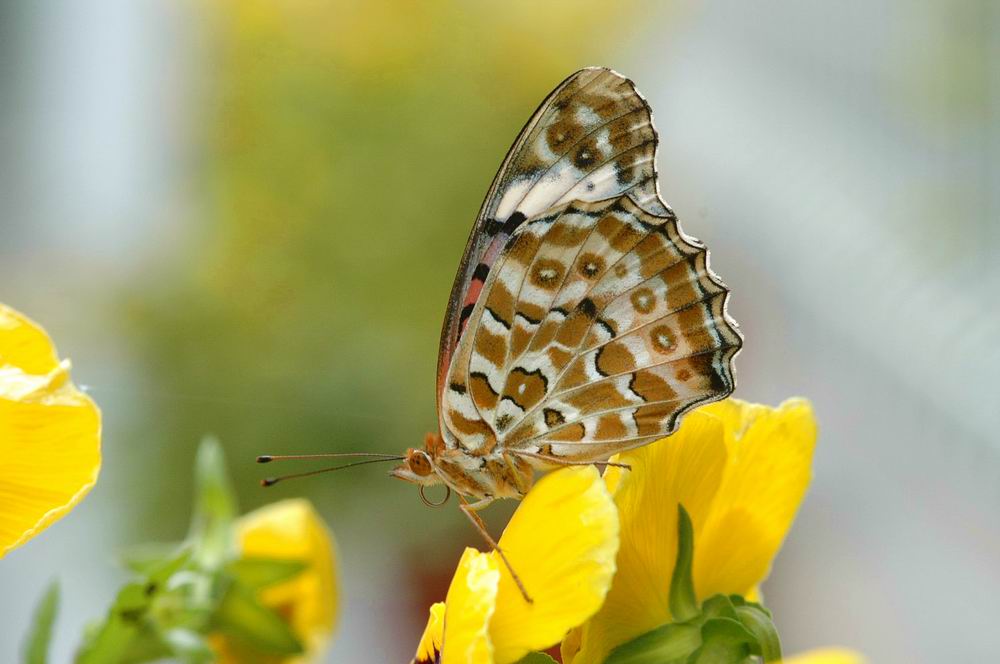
(50, 433)
(740, 470)
(562, 542)
(826, 656)
(291, 530)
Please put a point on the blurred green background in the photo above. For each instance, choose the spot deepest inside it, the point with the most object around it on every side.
(243, 218)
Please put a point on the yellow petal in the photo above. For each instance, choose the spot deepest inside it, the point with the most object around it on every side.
(50, 434)
(292, 529)
(430, 642)
(562, 542)
(685, 468)
(827, 656)
(468, 607)
(24, 344)
(769, 468)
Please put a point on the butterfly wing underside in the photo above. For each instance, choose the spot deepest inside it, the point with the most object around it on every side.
(599, 325)
(592, 138)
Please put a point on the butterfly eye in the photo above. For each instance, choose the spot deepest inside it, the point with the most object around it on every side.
(418, 462)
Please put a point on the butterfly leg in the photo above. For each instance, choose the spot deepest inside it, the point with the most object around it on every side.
(470, 510)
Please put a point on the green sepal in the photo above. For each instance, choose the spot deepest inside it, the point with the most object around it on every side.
(724, 641)
(259, 573)
(214, 507)
(240, 616)
(536, 658)
(669, 644)
(36, 645)
(758, 621)
(719, 606)
(683, 603)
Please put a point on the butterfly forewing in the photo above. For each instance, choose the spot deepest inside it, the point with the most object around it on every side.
(591, 139)
(583, 321)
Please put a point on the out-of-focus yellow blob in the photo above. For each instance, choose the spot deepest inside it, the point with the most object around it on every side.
(291, 529)
(827, 656)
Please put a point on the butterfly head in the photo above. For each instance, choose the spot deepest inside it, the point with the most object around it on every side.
(418, 465)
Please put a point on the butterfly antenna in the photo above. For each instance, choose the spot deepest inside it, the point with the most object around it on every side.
(268, 458)
(271, 481)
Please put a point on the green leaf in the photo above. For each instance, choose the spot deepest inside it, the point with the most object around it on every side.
(683, 604)
(243, 618)
(758, 621)
(663, 645)
(36, 646)
(259, 573)
(537, 658)
(108, 642)
(214, 507)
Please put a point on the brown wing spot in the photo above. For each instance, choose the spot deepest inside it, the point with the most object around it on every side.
(492, 347)
(680, 287)
(590, 265)
(531, 313)
(519, 338)
(643, 300)
(621, 270)
(620, 235)
(662, 338)
(654, 419)
(683, 374)
(602, 395)
(651, 387)
(547, 273)
(614, 358)
(522, 248)
(563, 133)
(586, 154)
(482, 394)
(610, 427)
(695, 323)
(558, 357)
(572, 433)
(525, 389)
(546, 333)
(553, 417)
(573, 329)
(501, 303)
(575, 375)
(464, 425)
(565, 234)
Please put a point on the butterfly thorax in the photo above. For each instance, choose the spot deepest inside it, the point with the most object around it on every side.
(493, 475)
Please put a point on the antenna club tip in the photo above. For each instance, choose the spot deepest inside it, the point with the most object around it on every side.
(268, 481)
(265, 458)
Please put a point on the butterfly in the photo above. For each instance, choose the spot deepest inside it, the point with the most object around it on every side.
(582, 321)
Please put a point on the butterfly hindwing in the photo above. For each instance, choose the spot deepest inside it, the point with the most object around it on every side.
(600, 324)
(591, 139)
